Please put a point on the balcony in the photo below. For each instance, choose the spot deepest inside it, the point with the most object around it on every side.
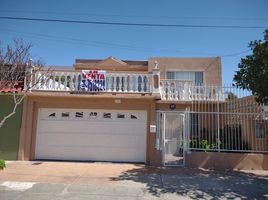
(73, 81)
(169, 90)
(179, 90)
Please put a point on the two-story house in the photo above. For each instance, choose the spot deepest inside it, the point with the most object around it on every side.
(123, 111)
(64, 121)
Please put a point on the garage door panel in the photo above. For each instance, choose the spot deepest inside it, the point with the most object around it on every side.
(90, 140)
(88, 127)
(138, 131)
(57, 114)
(89, 154)
(100, 139)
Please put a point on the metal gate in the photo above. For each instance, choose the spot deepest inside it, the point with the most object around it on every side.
(173, 138)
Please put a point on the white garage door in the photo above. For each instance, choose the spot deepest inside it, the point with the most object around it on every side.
(97, 135)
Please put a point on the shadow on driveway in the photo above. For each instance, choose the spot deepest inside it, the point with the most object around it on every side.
(117, 179)
(198, 183)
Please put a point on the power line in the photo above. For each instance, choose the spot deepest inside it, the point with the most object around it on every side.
(132, 16)
(114, 45)
(236, 54)
(132, 24)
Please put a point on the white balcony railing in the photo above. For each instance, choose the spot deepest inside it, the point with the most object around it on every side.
(207, 93)
(175, 90)
(114, 82)
(169, 90)
(179, 90)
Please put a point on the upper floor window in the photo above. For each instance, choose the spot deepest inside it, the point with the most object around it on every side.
(195, 77)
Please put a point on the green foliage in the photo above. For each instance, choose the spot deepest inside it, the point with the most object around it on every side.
(231, 96)
(2, 164)
(230, 139)
(202, 144)
(253, 70)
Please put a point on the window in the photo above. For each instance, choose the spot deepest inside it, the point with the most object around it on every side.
(195, 77)
(93, 115)
(120, 116)
(107, 115)
(133, 117)
(52, 115)
(260, 130)
(198, 78)
(79, 114)
(65, 114)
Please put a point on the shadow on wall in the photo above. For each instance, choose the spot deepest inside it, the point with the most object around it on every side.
(222, 161)
(198, 183)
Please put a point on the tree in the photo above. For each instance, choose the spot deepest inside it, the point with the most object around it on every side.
(17, 70)
(253, 70)
(230, 96)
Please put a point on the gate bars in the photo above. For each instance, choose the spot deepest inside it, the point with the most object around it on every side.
(236, 123)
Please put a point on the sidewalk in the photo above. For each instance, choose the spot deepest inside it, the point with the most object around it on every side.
(70, 180)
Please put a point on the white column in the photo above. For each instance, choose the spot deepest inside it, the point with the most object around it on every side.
(130, 83)
(124, 83)
(107, 82)
(113, 83)
(185, 91)
(65, 80)
(75, 81)
(177, 90)
(38, 80)
(51, 79)
(59, 82)
(119, 83)
(142, 83)
(47, 82)
(136, 87)
(71, 81)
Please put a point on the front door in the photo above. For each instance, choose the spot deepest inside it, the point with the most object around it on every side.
(173, 139)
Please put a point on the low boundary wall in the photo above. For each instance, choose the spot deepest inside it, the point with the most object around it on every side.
(220, 160)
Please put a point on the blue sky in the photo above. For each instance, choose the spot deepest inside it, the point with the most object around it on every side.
(61, 43)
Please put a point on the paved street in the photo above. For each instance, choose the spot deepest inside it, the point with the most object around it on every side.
(79, 181)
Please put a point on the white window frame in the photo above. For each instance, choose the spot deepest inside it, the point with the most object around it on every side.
(187, 79)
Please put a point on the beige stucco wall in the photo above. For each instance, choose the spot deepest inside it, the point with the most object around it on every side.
(218, 160)
(250, 135)
(112, 64)
(210, 66)
(148, 103)
(49, 100)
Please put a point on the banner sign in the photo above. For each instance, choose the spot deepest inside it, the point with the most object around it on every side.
(93, 80)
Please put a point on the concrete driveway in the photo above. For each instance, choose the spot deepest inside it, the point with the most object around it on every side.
(70, 180)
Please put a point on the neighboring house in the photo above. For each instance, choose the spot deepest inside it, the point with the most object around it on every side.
(164, 111)
(9, 132)
(252, 122)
